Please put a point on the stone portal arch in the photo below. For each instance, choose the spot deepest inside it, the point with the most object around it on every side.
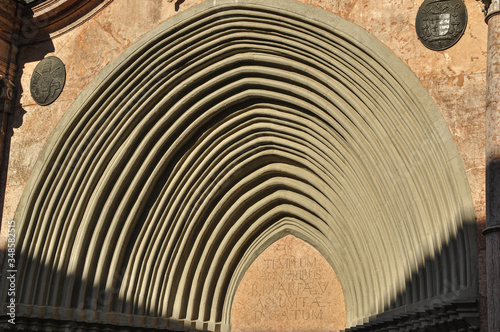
(228, 124)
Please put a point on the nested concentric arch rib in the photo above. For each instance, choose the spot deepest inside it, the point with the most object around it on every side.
(227, 127)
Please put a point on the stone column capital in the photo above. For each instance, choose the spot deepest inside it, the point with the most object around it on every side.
(491, 7)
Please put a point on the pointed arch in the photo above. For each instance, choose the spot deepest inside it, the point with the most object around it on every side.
(231, 123)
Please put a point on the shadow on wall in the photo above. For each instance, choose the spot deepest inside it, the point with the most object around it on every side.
(435, 299)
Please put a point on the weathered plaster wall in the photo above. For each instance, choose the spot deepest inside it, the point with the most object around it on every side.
(455, 78)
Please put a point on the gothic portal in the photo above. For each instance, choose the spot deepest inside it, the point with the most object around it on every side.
(223, 130)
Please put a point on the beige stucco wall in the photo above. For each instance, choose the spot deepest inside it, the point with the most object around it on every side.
(455, 78)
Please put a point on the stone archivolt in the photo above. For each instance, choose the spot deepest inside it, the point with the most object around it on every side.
(223, 130)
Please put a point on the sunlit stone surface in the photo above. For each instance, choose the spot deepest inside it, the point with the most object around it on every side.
(289, 287)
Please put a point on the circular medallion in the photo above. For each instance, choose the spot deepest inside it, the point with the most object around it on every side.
(48, 80)
(441, 23)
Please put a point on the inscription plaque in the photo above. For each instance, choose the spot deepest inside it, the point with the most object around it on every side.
(48, 80)
(289, 287)
(441, 23)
